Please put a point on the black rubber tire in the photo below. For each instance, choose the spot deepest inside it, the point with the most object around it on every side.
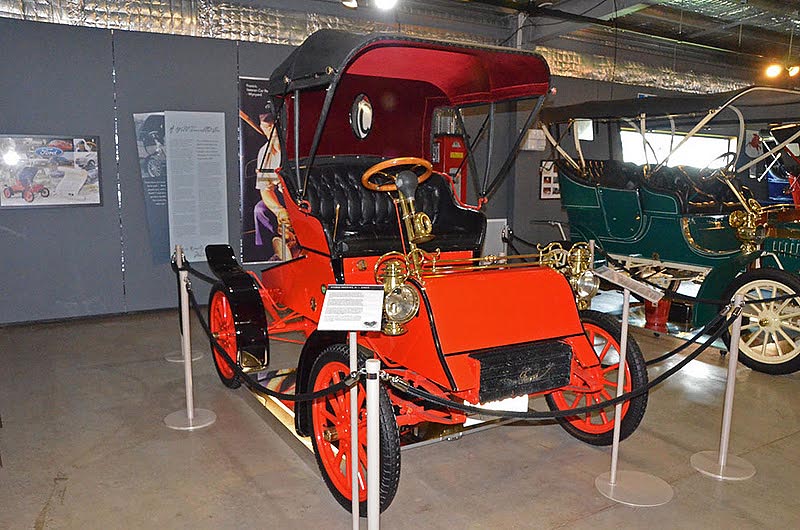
(638, 377)
(44, 192)
(230, 381)
(790, 282)
(389, 434)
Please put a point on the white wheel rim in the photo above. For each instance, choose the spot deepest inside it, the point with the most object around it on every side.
(770, 330)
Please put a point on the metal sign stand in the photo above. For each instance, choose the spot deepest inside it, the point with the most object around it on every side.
(719, 464)
(353, 340)
(192, 418)
(368, 299)
(633, 488)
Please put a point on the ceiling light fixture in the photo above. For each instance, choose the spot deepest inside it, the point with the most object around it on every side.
(385, 4)
(773, 70)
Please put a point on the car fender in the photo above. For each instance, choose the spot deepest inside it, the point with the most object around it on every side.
(315, 343)
(717, 282)
(243, 295)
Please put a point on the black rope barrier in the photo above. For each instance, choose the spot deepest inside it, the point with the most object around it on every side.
(255, 386)
(708, 327)
(187, 267)
(405, 387)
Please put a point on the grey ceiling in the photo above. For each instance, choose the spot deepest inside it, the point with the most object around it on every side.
(741, 32)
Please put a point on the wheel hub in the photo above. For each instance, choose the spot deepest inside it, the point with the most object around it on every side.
(769, 321)
(331, 435)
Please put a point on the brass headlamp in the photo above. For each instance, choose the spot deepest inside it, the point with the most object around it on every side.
(400, 301)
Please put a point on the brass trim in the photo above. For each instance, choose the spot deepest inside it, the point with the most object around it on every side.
(687, 235)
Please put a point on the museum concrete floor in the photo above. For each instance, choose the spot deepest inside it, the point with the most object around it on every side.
(84, 445)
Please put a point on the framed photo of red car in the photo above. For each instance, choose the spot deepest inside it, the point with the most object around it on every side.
(49, 170)
(548, 188)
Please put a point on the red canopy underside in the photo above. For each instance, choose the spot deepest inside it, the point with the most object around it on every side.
(465, 76)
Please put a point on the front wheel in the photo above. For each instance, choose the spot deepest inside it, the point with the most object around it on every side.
(770, 338)
(330, 421)
(44, 192)
(27, 195)
(7, 193)
(589, 386)
(223, 328)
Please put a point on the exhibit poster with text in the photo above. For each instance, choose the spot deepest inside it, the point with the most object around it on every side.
(151, 149)
(196, 181)
(267, 234)
(49, 170)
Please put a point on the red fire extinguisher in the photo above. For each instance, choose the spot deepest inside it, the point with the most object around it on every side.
(449, 156)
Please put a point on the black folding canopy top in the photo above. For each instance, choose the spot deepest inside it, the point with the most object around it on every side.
(465, 73)
(664, 106)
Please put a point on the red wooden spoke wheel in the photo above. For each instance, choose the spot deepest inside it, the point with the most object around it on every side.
(223, 328)
(27, 195)
(330, 421)
(589, 386)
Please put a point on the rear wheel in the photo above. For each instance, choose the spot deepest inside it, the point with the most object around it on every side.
(589, 386)
(770, 339)
(7, 193)
(27, 195)
(223, 327)
(44, 192)
(330, 420)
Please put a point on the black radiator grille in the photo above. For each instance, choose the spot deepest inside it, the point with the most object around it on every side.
(521, 369)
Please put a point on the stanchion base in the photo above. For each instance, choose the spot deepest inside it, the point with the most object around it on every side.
(179, 420)
(736, 468)
(634, 488)
(177, 356)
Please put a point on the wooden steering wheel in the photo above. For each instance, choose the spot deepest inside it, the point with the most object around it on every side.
(394, 166)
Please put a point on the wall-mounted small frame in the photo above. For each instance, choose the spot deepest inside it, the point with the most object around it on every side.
(361, 116)
(549, 187)
(49, 170)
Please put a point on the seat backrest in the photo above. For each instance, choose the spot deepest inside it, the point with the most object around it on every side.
(360, 222)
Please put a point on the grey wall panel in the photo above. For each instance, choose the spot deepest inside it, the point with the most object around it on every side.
(259, 60)
(59, 262)
(163, 72)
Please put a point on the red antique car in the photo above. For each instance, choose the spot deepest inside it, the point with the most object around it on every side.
(363, 206)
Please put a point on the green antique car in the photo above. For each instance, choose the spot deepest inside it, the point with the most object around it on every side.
(676, 223)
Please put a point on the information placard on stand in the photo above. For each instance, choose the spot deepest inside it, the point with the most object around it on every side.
(352, 308)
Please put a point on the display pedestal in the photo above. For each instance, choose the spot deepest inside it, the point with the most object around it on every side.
(634, 488)
(719, 464)
(177, 356)
(191, 418)
(179, 421)
(734, 468)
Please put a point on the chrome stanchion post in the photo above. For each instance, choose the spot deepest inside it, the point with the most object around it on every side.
(373, 445)
(623, 347)
(192, 418)
(353, 339)
(719, 464)
(633, 488)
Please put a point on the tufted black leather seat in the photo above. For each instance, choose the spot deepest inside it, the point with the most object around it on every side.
(368, 222)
